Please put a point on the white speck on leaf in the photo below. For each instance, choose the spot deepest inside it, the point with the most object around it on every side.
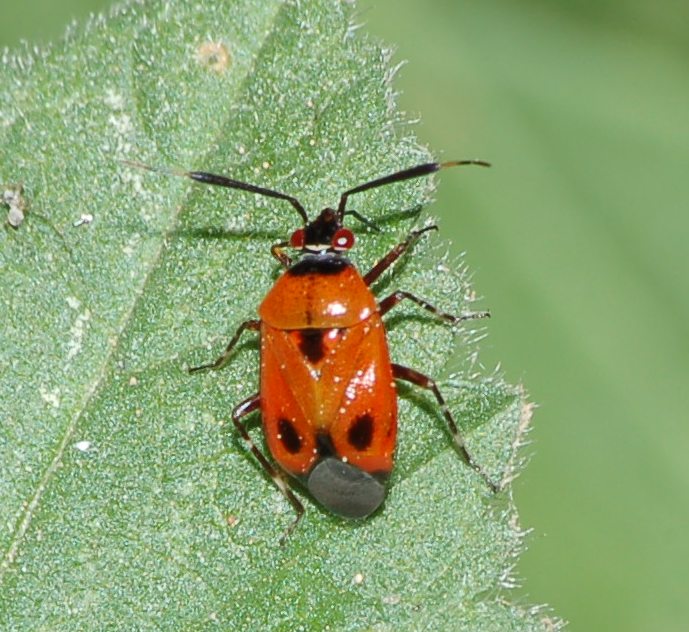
(51, 397)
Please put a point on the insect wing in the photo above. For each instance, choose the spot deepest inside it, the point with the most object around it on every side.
(364, 430)
(328, 389)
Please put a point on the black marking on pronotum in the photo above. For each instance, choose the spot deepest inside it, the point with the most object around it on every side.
(289, 436)
(319, 264)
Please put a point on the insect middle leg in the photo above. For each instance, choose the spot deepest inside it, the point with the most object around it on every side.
(222, 360)
(390, 301)
(401, 372)
(248, 406)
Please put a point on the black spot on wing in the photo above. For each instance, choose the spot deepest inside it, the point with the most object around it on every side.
(289, 436)
(360, 433)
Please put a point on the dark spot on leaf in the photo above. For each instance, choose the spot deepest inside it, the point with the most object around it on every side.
(214, 56)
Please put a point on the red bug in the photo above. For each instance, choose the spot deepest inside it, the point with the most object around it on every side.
(327, 385)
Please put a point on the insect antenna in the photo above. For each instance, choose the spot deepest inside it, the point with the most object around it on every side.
(223, 181)
(406, 174)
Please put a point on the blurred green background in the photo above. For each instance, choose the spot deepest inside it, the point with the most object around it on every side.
(576, 238)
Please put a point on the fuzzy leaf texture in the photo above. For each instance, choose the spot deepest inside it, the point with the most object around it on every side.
(127, 500)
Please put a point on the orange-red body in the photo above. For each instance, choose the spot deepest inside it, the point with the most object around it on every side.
(326, 385)
(327, 393)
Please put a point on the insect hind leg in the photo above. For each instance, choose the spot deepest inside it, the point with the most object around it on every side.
(401, 372)
(242, 410)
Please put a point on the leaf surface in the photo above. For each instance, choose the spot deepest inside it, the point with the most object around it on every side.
(128, 501)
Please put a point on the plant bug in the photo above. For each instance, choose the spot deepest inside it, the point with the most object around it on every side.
(327, 393)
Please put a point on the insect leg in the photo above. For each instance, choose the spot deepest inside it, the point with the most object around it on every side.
(390, 301)
(419, 379)
(221, 361)
(278, 251)
(372, 275)
(248, 406)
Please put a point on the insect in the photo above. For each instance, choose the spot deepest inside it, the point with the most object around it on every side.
(327, 394)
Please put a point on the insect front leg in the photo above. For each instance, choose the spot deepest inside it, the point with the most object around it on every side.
(278, 251)
(248, 406)
(395, 254)
(419, 379)
(222, 360)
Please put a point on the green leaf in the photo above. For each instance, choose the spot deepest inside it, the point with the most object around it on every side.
(128, 501)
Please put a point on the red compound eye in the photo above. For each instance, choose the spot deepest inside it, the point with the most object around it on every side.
(297, 238)
(343, 239)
